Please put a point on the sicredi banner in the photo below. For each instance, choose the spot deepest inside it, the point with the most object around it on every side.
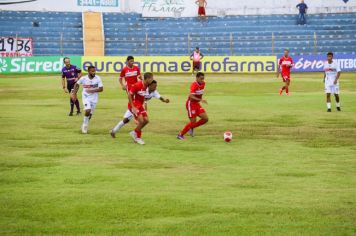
(316, 63)
(182, 64)
(53, 64)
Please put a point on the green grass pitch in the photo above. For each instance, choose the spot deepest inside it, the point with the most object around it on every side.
(290, 170)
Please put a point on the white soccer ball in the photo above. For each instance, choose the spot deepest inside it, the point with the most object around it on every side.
(227, 136)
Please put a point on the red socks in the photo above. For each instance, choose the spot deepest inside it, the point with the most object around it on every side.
(287, 90)
(192, 125)
(138, 133)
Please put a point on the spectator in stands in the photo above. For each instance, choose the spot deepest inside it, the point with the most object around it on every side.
(202, 5)
(302, 11)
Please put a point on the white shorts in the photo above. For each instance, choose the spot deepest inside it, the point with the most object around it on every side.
(334, 89)
(128, 115)
(89, 103)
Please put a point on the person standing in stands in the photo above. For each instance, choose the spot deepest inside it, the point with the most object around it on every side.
(202, 5)
(302, 11)
(71, 73)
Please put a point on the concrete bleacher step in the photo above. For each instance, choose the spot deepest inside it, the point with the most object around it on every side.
(93, 34)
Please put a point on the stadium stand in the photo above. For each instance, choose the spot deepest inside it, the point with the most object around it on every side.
(60, 33)
(47, 29)
(230, 35)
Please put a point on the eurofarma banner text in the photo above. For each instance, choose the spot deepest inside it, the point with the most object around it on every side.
(182, 64)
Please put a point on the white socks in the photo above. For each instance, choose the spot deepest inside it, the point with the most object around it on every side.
(337, 104)
(118, 126)
(328, 104)
(86, 120)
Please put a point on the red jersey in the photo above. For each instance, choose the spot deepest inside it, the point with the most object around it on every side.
(130, 75)
(138, 91)
(197, 90)
(286, 63)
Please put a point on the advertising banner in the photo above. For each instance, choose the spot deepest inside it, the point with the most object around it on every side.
(53, 64)
(182, 64)
(64, 6)
(168, 8)
(315, 63)
(10, 47)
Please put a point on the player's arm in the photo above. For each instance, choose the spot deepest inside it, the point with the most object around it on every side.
(139, 76)
(99, 89)
(64, 83)
(165, 100)
(123, 86)
(122, 75)
(191, 56)
(195, 98)
(201, 56)
(337, 77)
(79, 71)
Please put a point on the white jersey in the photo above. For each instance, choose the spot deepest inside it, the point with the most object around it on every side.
(154, 94)
(331, 71)
(90, 84)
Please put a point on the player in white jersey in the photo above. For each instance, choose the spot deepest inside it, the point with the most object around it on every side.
(92, 85)
(151, 92)
(331, 79)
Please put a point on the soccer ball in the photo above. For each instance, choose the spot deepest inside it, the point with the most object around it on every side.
(227, 136)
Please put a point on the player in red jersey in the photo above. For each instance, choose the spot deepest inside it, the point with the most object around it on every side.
(193, 106)
(136, 97)
(286, 63)
(130, 73)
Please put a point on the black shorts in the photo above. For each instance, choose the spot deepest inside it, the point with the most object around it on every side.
(70, 86)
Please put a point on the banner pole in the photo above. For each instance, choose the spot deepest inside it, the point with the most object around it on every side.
(188, 43)
(315, 44)
(61, 43)
(17, 51)
(146, 51)
(272, 43)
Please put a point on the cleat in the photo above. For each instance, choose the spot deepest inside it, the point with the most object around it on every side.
(287, 94)
(70, 114)
(191, 132)
(180, 137)
(78, 113)
(140, 141)
(280, 92)
(329, 110)
(338, 108)
(84, 129)
(112, 133)
(133, 136)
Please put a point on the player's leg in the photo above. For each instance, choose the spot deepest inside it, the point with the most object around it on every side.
(77, 106)
(86, 119)
(137, 133)
(187, 127)
(328, 101)
(337, 98)
(287, 83)
(127, 117)
(71, 102)
(284, 86)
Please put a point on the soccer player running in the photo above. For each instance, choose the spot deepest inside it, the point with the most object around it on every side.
(286, 63)
(332, 74)
(130, 73)
(151, 92)
(196, 56)
(193, 106)
(136, 96)
(71, 74)
(92, 85)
